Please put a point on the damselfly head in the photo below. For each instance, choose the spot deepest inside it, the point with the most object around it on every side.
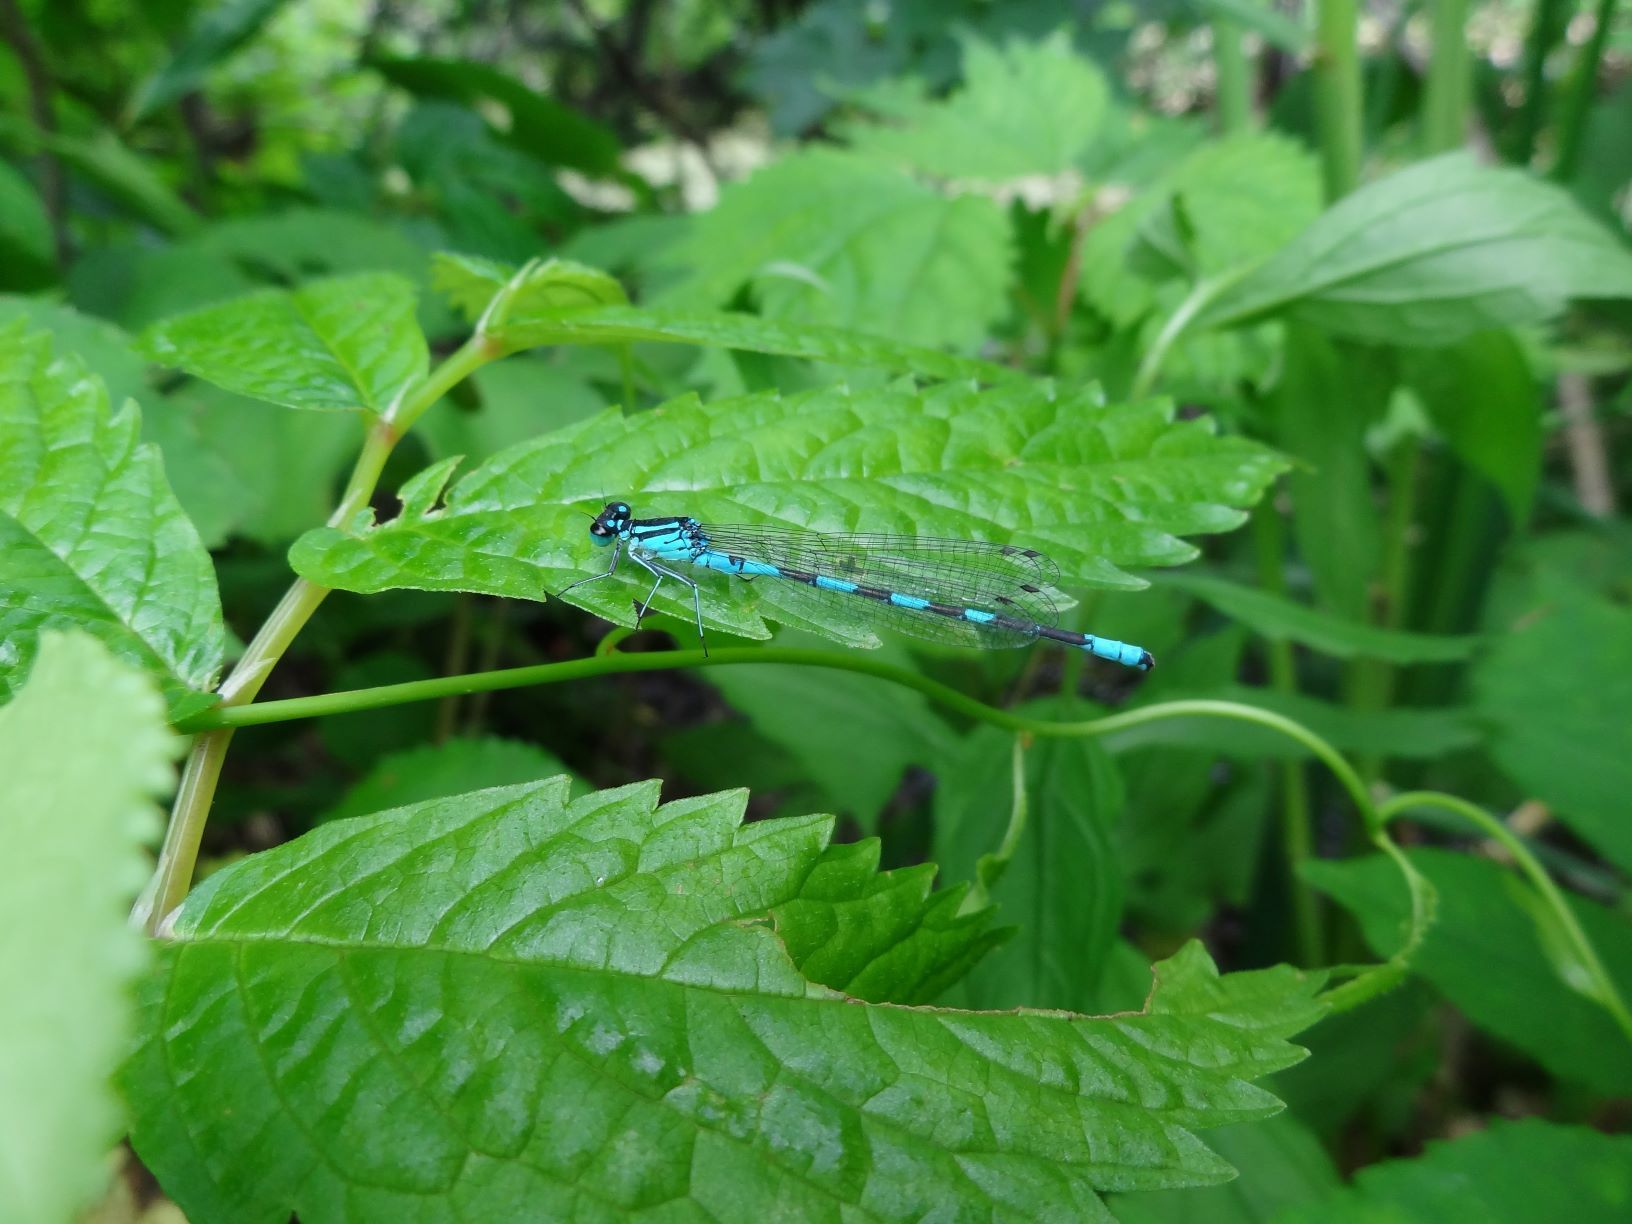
(610, 523)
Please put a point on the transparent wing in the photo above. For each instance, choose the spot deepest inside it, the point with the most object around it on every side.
(857, 618)
(996, 578)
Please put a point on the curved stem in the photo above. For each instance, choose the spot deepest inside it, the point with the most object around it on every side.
(1604, 987)
(1199, 298)
(178, 855)
(617, 663)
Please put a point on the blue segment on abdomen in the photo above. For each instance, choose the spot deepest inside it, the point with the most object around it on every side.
(908, 601)
(979, 617)
(1116, 652)
(835, 584)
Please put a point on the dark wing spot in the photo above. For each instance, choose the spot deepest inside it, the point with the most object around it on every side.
(1026, 586)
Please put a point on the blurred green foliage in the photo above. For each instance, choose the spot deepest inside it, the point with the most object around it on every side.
(387, 295)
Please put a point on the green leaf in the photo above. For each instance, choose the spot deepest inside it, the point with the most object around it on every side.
(217, 32)
(1434, 253)
(298, 244)
(83, 754)
(1028, 108)
(549, 130)
(434, 771)
(1232, 202)
(90, 535)
(1063, 884)
(835, 238)
(1281, 1164)
(883, 936)
(1282, 620)
(27, 257)
(564, 303)
(1205, 849)
(545, 290)
(107, 161)
(1095, 486)
(503, 1003)
(1378, 1059)
(333, 345)
(1509, 1173)
(136, 284)
(283, 469)
(1225, 204)
(1555, 691)
(852, 735)
(207, 489)
(515, 400)
(106, 350)
(1484, 955)
(1328, 397)
(1496, 429)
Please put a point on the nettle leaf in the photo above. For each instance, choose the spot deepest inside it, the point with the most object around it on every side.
(547, 288)
(1226, 204)
(883, 936)
(1484, 954)
(836, 238)
(503, 1002)
(91, 537)
(1283, 620)
(335, 345)
(1232, 202)
(1096, 486)
(1433, 253)
(210, 493)
(564, 303)
(1508, 1173)
(83, 753)
(1028, 108)
(1554, 691)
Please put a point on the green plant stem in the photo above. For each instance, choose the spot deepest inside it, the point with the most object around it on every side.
(1199, 298)
(456, 661)
(1339, 105)
(990, 867)
(1607, 994)
(1297, 838)
(1578, 94)
(1372, 681)
(1371, 981)
(1234, 77)
(1450, 75)
(178, 855)
(618, 663)
(1545, 31)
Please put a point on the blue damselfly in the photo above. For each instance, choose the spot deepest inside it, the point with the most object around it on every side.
(962, 592)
